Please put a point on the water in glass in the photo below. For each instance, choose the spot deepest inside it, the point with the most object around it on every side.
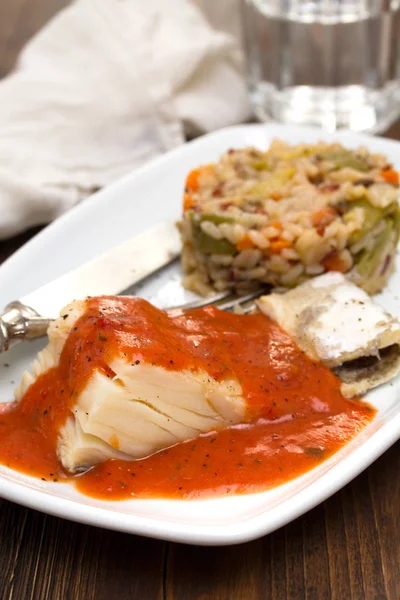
(331, 63)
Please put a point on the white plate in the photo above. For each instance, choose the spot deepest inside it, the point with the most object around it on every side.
(151, 194)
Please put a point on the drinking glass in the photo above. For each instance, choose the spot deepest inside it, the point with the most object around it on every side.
(330, 63)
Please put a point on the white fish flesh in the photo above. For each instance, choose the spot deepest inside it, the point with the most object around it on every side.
(140, 410)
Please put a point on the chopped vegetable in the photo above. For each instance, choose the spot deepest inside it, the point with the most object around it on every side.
(333, 262)
(192, 180)
(368, 261)
(346, 158)
(279, 244)
(245, 243)
(372, 216)
(276, 196)
(206, 243)
(390, 176)
(216, 219)
(273, 184)
(323, 218)
(260, 165)
(276, 225)
(188, 201)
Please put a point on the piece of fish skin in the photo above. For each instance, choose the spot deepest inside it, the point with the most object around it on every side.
(335, 322)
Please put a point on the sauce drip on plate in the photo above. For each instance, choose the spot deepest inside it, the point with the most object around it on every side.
(297, 414)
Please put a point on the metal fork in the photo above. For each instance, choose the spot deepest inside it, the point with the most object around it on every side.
(227, 300)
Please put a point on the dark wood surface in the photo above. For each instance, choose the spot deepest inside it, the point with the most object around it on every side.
(346, 548)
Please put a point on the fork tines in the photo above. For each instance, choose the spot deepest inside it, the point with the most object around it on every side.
(227, 300)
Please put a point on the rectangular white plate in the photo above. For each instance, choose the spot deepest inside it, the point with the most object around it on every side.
(105, 220)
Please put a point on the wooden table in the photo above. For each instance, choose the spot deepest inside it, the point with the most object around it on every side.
(346, 548)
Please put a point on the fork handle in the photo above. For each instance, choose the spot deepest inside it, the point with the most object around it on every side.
(20, 322)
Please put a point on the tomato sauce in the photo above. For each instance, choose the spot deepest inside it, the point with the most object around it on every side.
(296, 416)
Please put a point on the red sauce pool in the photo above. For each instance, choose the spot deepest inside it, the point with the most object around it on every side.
(297, 415)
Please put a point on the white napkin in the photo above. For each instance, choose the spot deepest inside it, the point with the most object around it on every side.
(106, 86)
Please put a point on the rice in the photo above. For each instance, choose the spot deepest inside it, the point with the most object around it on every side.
(281, 216)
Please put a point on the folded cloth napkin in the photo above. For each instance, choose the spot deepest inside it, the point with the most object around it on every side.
(106, 86)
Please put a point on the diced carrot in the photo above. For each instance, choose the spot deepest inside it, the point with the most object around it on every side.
(245, 243)
(391, 176)
(276, 196)
(323, 218)
(188, 201)
(277, 225)
(333, 262)
(192, 180)
(279, 244)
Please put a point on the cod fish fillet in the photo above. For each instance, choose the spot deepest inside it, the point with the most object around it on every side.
(337, 323)
(128, 406)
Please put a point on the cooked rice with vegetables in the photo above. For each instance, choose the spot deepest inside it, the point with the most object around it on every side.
(293, 212)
